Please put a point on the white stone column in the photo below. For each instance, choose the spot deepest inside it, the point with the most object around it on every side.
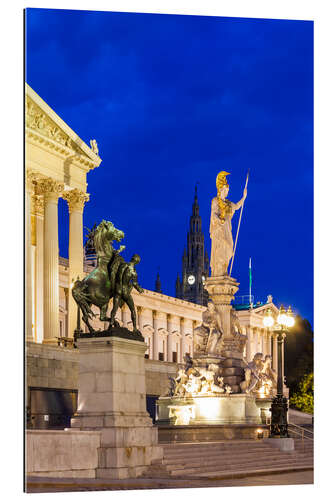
(182, 339)
(76, 200)
(140, 318)
(39, 267)
(159, 321)
(173, 334)
(268, 342)
(155, 335)
(146, 326)
(126, 316)
(29, 190)
(33, 270)
(261, 340)
(254, 342)
(187, 330)
(51, 190)
(270, 345)
(140, 325)
(169, 339)
(67, 291)
(249, 354)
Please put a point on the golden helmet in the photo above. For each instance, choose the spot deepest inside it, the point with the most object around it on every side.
(221, 180)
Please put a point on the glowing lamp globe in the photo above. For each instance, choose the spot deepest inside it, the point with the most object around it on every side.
(282, 317)
(268, 320)
(290, 318)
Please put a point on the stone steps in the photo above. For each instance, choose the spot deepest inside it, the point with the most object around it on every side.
(228, 458)
(248, 458)
(222, 467)
(217, 453)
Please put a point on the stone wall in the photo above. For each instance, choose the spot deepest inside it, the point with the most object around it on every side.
(51, 366)
(157, 373)
(68, 453)
(57, 368)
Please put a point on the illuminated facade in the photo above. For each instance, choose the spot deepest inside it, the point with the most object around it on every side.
(57, 164)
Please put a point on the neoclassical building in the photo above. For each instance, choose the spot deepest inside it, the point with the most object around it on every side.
(57, 164)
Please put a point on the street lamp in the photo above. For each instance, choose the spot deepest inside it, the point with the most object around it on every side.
(279, 408)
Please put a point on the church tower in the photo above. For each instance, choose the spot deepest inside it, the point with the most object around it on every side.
(195, 268)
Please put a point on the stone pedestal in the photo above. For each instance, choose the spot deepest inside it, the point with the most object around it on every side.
(208, 410)
(283, 444)
(233, 371)
(221, 290)
(112, 399)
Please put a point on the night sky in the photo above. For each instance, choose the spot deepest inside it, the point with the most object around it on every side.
(171, 101)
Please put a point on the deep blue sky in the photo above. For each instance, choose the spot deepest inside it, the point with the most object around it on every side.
(172, 100)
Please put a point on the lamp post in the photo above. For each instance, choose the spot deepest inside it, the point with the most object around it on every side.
(279, 408)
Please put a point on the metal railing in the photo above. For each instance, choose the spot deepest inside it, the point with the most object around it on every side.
(243, 299)
(299, 431)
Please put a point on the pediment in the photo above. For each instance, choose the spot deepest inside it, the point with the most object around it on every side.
(43, 122)
(261, 311)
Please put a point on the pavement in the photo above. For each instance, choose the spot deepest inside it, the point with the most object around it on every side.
(49, 485)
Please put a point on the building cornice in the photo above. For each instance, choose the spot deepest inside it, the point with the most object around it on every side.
(45, 127)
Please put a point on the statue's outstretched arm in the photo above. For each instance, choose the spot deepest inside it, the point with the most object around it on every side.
(237, 206)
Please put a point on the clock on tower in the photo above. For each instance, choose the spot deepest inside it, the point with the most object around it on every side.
(195, 262)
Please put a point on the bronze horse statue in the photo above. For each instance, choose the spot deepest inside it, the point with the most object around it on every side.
(112, 278)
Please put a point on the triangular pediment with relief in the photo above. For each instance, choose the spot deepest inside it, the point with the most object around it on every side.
(41, 120)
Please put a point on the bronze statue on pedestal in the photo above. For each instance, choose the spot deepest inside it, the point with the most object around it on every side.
(112, 278)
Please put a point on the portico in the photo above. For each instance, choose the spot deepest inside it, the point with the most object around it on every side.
(56, 165)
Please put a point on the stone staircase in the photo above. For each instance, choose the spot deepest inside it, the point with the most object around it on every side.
(231, 458)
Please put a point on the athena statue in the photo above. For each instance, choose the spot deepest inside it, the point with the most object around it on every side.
(220, 226)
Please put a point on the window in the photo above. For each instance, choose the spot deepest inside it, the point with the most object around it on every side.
(161, 356)
(174, 357)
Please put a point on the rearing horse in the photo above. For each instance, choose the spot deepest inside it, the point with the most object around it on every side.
(98, 287)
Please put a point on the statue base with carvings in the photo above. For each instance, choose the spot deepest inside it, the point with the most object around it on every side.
(215, 409)
(221, 290)
(112, 400)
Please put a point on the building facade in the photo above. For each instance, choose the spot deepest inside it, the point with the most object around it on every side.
(57, 164)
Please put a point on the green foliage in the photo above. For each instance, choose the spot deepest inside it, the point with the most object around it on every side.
(303, 398)
(298, 357)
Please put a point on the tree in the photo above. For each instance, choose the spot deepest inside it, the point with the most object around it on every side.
(298, 355)
(303, 398)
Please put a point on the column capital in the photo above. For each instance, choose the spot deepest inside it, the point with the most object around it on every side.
(75, 199)
(159, 315)
(37, 205)
(30, 180)
(50, 188)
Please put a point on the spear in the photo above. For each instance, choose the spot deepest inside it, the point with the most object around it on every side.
(239, 221)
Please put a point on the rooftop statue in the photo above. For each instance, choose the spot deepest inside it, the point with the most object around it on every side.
(112, 278)
(220, 226)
